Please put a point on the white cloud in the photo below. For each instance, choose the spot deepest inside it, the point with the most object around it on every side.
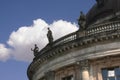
(4, 53)
(61, 28)
(22, 40)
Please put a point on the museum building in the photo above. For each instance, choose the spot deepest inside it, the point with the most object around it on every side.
(91, 53)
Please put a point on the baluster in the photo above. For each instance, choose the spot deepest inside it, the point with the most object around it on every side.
(112, 26)
(107, 28)
(74, 35)
(90, 32)
(98, 30)
(94, 30)
(118, 25)
(102, 28)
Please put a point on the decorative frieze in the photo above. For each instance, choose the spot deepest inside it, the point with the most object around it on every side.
(84, 64)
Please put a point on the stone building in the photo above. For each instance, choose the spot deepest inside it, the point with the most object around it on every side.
(89, 54)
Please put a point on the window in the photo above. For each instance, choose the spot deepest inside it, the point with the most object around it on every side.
(68, 78)
(111, 73)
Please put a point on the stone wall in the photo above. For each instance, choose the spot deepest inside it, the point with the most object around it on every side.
(106, 62)
(62, 64)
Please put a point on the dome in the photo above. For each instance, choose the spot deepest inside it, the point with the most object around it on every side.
(101, 10)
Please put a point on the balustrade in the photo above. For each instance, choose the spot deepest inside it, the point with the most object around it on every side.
(101, 30)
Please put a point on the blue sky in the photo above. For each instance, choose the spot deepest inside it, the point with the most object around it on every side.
(24, 23)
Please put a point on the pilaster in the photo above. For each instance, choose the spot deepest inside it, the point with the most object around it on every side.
(84, 64)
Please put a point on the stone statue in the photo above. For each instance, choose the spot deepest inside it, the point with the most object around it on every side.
(100, 2)
(35, 50)
(49, 36)
(82, 21)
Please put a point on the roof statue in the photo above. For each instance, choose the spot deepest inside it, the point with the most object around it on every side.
(35, 50)
(49, 36)
(100, 2)
(82, 21)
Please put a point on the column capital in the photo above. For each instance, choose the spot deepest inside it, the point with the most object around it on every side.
(84, 64)
(49, 75)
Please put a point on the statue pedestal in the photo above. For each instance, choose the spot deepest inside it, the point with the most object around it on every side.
(80, 33)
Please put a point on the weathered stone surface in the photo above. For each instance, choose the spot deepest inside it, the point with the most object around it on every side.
(94, 52)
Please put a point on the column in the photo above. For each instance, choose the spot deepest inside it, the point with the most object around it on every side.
(84, 69)
(50, 75)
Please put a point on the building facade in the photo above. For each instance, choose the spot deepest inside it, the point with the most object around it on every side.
(92, 53)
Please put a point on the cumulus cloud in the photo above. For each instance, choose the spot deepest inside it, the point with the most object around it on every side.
(22, 40)
(4, 53)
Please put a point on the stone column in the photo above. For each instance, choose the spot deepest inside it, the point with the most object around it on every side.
(84, 69)
(50, 75)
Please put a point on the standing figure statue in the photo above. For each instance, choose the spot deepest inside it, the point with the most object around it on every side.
(82, 21)
(35, 50)
(49, 36)
(100, 2)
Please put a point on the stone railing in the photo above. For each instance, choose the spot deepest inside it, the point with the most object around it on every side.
(93, 33)
(58, 42)
(106, 27)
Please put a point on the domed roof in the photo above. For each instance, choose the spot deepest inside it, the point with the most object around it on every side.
(102, 9)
